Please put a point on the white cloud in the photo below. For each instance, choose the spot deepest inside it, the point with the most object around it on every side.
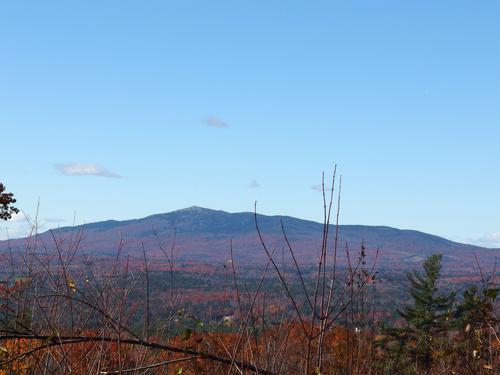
(22, 225)
(215, 122)
(9, 233)
(253, 184)
(319, 188)
(489, 240)
(55, 220)
(18, 226)
(77, 169)
(19, 217)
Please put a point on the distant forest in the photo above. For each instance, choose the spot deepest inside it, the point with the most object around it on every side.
(65, 311)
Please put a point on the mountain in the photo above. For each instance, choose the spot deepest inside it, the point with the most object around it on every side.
(204, 235)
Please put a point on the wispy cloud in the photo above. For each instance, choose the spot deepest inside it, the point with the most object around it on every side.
(19, 217)
(77, 169)
(319, 188)
(18, 226)
(254, 184)
(22, 225)
(215, 122)
(12, 231)
(54, 220)
(489, 240)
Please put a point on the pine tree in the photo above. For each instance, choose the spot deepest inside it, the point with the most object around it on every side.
(427, 319)
(475, 317)
(429, 316)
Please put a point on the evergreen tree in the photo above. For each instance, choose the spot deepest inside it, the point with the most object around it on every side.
(427, 319)
(475, 317)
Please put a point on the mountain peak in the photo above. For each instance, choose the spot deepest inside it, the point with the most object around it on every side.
(193, 209)
(205, 234)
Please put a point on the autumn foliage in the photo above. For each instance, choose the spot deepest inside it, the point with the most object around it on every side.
(65, 311)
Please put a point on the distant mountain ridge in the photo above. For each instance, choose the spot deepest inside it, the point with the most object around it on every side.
(204, 235)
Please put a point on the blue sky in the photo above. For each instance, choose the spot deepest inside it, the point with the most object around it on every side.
(121, 109)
